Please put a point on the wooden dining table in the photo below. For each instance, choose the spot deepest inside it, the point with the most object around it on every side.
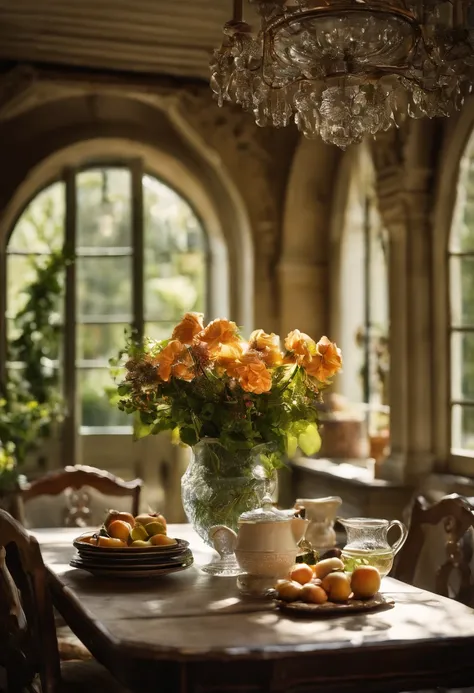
(190, 632)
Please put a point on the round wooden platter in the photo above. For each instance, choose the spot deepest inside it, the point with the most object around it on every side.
(333, 608)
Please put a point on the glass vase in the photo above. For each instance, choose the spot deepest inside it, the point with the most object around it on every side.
(218, 486)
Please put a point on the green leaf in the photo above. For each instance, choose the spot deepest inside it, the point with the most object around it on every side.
(188, 435)
(310, 441)
(291, 445)
(141, 430)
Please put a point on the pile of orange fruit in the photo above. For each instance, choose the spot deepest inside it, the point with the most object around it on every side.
(122, 529)
(327, 581)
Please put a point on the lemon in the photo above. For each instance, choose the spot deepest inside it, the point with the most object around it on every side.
(155, 528)
(140, 542)
(139, 533)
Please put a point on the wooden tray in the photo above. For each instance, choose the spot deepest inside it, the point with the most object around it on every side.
(332, 608)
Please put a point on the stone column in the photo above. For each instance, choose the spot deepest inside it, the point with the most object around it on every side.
(404, 180)
(388, 162)
(418, 179)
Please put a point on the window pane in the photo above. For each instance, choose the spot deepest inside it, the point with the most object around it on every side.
(159, 330)
(175, 254)
(462, 428)
(462, 290)
(96, 409)
(462, 234)
(40, 228)
(462, 365)
(104, 286)
(104, 208)
(21, 271)
(100, 341)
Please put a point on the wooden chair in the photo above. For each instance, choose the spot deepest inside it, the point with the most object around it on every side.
(457, 516)
(72, 481)
(29, 649)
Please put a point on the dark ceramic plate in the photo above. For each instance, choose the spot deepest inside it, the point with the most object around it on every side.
(84, 548)
(133, 574)
(138, 562)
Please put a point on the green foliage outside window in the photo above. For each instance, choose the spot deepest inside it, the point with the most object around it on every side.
(30, 402)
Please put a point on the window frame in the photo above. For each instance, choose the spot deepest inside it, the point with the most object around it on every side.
(459, 457)
(458, 141)
(357, 172)
(72, 433)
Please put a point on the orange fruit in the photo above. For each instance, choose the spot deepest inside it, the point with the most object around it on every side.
(89, 539)
(302, 573)
(365, 581)
(313, 594)
(288, 590)
(111, 542)
(326, 566)
(162, 540)
(118, 529)
(337, 586)
(114, 515)
(145, 518)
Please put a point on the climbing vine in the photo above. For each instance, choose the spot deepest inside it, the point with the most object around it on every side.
(30, 400)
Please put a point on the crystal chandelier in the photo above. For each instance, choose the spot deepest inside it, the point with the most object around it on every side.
(343, 69)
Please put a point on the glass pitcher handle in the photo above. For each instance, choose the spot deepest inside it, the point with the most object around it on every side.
(404, 533)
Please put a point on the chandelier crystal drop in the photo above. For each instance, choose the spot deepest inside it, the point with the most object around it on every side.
(343, 69)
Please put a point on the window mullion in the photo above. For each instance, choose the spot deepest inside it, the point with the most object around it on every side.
(70, 376)
(136, 168)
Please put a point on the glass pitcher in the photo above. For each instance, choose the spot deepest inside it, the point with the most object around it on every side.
(367, 543)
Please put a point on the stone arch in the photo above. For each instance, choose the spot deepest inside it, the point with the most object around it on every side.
(41, 141)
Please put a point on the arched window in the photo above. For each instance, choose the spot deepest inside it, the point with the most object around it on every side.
(140, 259)
(363, 312)
(461, 283)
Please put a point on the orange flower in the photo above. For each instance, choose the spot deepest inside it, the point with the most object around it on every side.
(167, 357)
(183, 372)
(188, 328)
(220, 331)
(185, 368)
(228, 357)
(261, 340)
(268, 346)
(253, 375)
(300, 346)
(326, 363)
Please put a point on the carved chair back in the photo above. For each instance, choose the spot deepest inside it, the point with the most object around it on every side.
(29, 648)
(456, 515)
(73, 481)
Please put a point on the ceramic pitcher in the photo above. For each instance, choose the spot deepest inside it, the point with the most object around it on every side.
(321, 513)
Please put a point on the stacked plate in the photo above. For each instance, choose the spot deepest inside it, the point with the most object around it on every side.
(132, 562)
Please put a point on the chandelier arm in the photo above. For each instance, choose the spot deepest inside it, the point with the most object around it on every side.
(328, 10)
(389, 69)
